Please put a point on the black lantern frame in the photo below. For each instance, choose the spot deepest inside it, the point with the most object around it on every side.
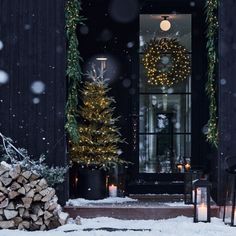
(189, 178)
(229, 216)
(202, 204)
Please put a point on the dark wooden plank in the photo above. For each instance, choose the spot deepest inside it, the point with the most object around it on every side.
(33, 33)
(227, 89)
(135, 213)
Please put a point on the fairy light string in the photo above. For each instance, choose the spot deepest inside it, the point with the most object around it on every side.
(176, 69)
(73, 71)
(211, 86)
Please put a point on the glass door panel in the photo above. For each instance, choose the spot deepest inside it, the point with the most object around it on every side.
(164, 110)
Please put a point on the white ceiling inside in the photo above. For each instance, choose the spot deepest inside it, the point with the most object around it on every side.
(180, 28)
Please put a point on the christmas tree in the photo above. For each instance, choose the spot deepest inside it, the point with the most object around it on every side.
(99, 137)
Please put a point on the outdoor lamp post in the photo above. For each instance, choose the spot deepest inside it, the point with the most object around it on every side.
(202, 201)
(103, 64)
(230, 201)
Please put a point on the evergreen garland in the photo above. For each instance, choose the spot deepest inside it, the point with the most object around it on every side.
(211, 86)
(73, 18)
(165, 74)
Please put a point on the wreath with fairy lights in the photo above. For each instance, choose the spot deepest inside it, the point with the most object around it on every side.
(166, 62)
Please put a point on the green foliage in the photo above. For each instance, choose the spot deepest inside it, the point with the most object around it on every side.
(73, 18)
(211, 87)
(99, 135)
(53, 175)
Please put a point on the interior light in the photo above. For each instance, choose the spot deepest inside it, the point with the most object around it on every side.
(165, 24)
(101, 58)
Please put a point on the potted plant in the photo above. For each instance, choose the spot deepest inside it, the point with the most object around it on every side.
(97, 149)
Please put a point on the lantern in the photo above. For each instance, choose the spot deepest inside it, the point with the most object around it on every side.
(202, 201)
(189, 178)
(230, 201)
(113, 181)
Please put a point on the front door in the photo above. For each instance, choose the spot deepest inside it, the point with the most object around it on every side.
(172, 107)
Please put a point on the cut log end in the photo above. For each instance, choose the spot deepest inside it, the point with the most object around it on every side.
(27, 202)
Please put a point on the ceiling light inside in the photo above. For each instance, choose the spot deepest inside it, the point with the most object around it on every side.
(165, 24)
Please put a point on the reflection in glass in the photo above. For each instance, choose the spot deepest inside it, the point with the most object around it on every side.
(162, 153)
(164, 112)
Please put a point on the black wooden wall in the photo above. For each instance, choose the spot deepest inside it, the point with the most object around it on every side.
(227, 88)
(33, 35)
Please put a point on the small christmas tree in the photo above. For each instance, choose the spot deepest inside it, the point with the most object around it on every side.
(98, 135)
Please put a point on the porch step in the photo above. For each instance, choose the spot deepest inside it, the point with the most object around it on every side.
(157, 184)
(160, 198)
(146, 208)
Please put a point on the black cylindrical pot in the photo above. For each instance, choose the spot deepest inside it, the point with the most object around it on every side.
(92, 184)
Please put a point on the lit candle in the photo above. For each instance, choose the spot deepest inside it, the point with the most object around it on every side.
(187, 167)
(113, 190)
(202, 213)
(180, 168)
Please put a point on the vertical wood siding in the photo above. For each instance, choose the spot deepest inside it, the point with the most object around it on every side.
(227, 87)
(33, 35)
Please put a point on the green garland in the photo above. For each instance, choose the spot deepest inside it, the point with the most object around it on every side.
(73, 18)
(211, 86)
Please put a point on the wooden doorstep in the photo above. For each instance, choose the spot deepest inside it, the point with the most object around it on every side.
(135, 212)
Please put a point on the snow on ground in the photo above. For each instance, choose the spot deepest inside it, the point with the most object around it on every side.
(176, 204)
(183, 226)
(119, 202)
(109, 200)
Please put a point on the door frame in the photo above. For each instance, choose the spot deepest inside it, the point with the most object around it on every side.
(200, 148)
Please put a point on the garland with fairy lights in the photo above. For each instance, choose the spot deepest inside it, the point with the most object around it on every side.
(166, 61)
(211, 87)
(73, 18)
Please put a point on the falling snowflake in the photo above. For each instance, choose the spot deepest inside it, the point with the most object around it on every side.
(36, 100)
(1, 45)
(3, 77)
(38, 87)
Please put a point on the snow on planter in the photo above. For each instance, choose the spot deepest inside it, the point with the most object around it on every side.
(26, 201)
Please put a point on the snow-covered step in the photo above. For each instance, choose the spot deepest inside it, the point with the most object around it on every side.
(143, 210)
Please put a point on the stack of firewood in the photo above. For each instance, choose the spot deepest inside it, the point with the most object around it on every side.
(26, 201)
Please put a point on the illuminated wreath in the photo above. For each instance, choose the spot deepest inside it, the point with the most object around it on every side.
(166, 61)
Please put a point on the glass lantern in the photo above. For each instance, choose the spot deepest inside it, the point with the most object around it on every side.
(230, 201)
(189, 178)
(202, 201)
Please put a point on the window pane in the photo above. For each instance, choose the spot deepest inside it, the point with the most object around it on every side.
(145, 87)
(162, 153)
(165, 113)
(164, 110)
(180, 30)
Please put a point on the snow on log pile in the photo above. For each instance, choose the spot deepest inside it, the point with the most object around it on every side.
(26, 201)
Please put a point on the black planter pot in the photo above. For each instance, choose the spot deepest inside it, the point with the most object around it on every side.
(92, 184)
